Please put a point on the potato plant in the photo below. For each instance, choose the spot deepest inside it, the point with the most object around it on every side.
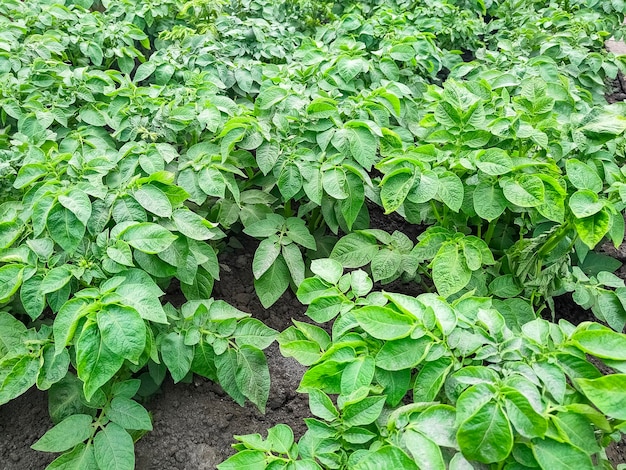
(139, 140)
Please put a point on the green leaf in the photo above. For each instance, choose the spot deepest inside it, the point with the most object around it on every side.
(10, 281)
(17, 375)
(363, 145)
(495, 162)
(357, 374)
(144, 71)
(12, 333)
(299, 233)
(126, 209)
(354, 250)
(395, 188)
(114, 448)
(451, 190)
(78, 203)
(592, 230)
(384, 323)
(33, 300)
(121, 253)
(403, 353)
(29, 173)
(153, 200)
(505, 286)
(321, 405)
(267, 156)
(128, 414)
(55, 279)
(293, 258)
(204, 361)
(607, 393)
(553, 378)
(601, 342)
(430, 379)
(192, 225)
(358, 435)
(424, 450)
(65, 228)
(148, 237)
(524, 190)
(583, 176)
(335, 183)
(551, 454)
(141, 292)
(212, 182)
(54, 367)
(92, 116)
(324, 308)
(71, 431)
(438, 422)
(95, 363)
(525, 419)
(385, 264)
(328, 269)
(66, 320)
(363, 412)
(325, 376)
(265, 256)
(450, 271)
(80, 458)
(553, 207)
(227, 365)
(252, 375)
(273, 283)
(489, 201)
(349, 68)
(176, 355)
(486, 436)
(351, 206)
(289, 181)
(244, 460)
(425, 189)
(281, 438)
(255, 333)
(395, 384)
(578, 429)
(386, 457)
(585, 203)
(268, 97)
(123, 331)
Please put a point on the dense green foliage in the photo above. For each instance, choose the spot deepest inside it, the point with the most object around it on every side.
(141, 138)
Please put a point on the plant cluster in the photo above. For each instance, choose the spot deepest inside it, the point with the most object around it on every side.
(139, 140)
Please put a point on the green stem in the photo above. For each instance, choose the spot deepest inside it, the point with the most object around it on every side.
(554, 240)
(287, 209)
(436, 212)
(489, 232)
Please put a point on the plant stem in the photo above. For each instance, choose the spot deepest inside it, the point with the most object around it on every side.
(287, 209)
(489, 233)
(436, 212)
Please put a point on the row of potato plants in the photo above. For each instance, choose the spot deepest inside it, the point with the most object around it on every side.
(140, 140)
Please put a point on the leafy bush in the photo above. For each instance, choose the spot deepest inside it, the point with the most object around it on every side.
(137, 140)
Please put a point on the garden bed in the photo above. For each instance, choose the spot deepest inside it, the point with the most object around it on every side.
(345, 235)
(194, 423)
